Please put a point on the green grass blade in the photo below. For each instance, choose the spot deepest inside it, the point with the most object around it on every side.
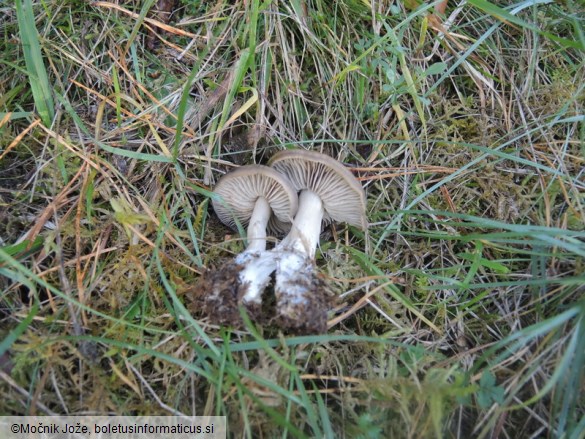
(373, 270)
(37, 74)
(240, 69)
(504, 15)
(22, 325)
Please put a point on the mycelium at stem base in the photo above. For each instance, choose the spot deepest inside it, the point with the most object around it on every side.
(302, 298)
(242, 280)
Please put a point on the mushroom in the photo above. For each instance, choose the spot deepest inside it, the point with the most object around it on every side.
(263, 199)
(328, 192)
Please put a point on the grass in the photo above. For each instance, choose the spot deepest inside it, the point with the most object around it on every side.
(462, 308)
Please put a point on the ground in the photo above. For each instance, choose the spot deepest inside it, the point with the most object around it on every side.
(460, 312)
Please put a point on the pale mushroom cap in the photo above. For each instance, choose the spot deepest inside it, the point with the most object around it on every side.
(342, 194)
(240, 189)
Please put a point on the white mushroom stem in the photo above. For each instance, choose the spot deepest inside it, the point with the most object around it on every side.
(294, 266)
(306, 227)
(258, 264)
(257, 226)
